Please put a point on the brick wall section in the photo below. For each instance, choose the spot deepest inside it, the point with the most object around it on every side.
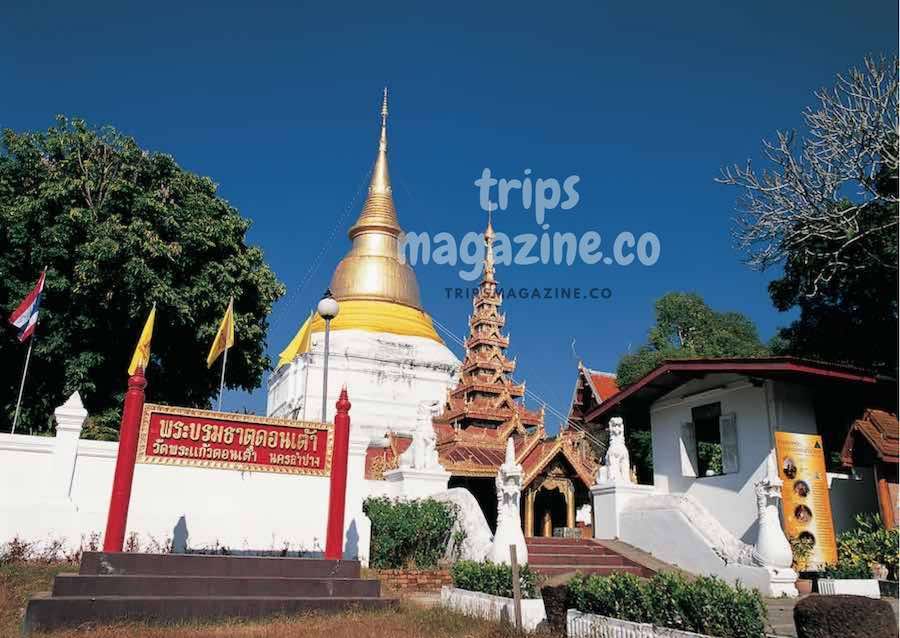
(413, 580)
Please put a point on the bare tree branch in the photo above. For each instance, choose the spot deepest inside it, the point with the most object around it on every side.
(815, 197)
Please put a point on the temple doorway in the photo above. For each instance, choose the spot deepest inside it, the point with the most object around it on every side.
(550, 501)
(485, 492)
(550, 511)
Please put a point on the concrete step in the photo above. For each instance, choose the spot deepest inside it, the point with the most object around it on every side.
(157, 585)
(572, 550)
(552, 540)
(45, 614)
(593, 569)
(550, 560)
(101, 563)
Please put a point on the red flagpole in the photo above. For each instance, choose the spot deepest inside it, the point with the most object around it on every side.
(128, 441)
(334, 537)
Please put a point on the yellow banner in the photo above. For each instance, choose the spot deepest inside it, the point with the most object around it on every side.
(224, 337)
(141, 356)
(804, 495)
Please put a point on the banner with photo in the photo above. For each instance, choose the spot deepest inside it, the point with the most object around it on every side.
(804, 494)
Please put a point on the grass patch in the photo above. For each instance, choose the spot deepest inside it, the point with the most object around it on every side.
(18, 581)
(410, 621)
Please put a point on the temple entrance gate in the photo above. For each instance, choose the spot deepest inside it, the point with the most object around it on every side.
(549, 503)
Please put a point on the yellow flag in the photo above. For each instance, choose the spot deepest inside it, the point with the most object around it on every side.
(141, 356)
(299, 344)
(224, 337)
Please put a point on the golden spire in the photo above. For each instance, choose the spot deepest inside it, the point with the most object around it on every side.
(378, 212)
(372, 269)
(489, 249)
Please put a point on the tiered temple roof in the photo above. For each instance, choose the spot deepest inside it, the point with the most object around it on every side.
(487, 407)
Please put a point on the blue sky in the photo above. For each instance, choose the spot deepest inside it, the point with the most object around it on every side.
(278, 103)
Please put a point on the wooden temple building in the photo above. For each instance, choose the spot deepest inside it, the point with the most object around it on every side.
(484, 410)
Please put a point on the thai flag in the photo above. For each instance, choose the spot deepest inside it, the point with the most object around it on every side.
(25, 316)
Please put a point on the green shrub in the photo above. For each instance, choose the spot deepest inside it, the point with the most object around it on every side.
(847, 570)
(492, 578)
(669, 600)
(869, 542)
(409, 534)
(801, 549)
(618, 595)
(706, 605)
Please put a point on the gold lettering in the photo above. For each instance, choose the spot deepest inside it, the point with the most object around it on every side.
(315, 438)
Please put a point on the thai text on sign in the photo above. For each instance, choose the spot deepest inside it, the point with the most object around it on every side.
(804, 494)
(185, 436)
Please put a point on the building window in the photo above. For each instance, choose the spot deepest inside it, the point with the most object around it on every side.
(709, 442)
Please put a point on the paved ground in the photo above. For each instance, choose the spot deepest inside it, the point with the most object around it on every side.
(781, 614)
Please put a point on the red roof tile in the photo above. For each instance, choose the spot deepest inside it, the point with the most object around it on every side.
(605, 385)
(881, 430)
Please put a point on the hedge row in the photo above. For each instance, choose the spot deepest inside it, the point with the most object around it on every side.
(706, 605)
(492, 578)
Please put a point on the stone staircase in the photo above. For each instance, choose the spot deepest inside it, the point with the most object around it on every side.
(168, 588)
(554, 556)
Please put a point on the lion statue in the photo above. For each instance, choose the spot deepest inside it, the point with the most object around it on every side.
(422, 452)
(616, 466)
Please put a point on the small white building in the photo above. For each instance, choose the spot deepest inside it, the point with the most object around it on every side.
(713, 424)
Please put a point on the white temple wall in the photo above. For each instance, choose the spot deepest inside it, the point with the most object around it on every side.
(387, 377)
(257, 511)
(759, 410)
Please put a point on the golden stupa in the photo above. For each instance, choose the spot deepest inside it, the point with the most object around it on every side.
(376, 291)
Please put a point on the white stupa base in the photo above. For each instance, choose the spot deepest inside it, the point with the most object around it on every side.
(409, 483)
(387, 377)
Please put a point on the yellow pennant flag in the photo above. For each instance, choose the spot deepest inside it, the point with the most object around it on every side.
(224, 337)
(299, 344)
(141, 356)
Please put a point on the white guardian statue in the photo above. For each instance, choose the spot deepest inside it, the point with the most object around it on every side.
(616, 466)
(509, 525)
(772, 550)
(422, 452)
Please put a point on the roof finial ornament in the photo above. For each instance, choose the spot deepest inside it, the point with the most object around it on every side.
(382, 145)
(489, 248)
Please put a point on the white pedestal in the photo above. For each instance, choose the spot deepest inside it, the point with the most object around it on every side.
(783, 582)
(609, 499)
(409, 483)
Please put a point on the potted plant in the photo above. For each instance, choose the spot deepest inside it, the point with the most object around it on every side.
(849, 578)
(801, 547)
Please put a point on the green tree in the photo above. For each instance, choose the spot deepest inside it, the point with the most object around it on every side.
(119, 228)
(686, 327)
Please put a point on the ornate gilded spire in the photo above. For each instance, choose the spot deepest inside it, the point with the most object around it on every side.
(486, 396)
(489, 250)
(373, 269)
(378, 212)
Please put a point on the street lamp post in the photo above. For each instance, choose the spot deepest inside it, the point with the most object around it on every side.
(328, 310)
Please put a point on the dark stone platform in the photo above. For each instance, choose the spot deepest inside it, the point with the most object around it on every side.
(168, 588)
